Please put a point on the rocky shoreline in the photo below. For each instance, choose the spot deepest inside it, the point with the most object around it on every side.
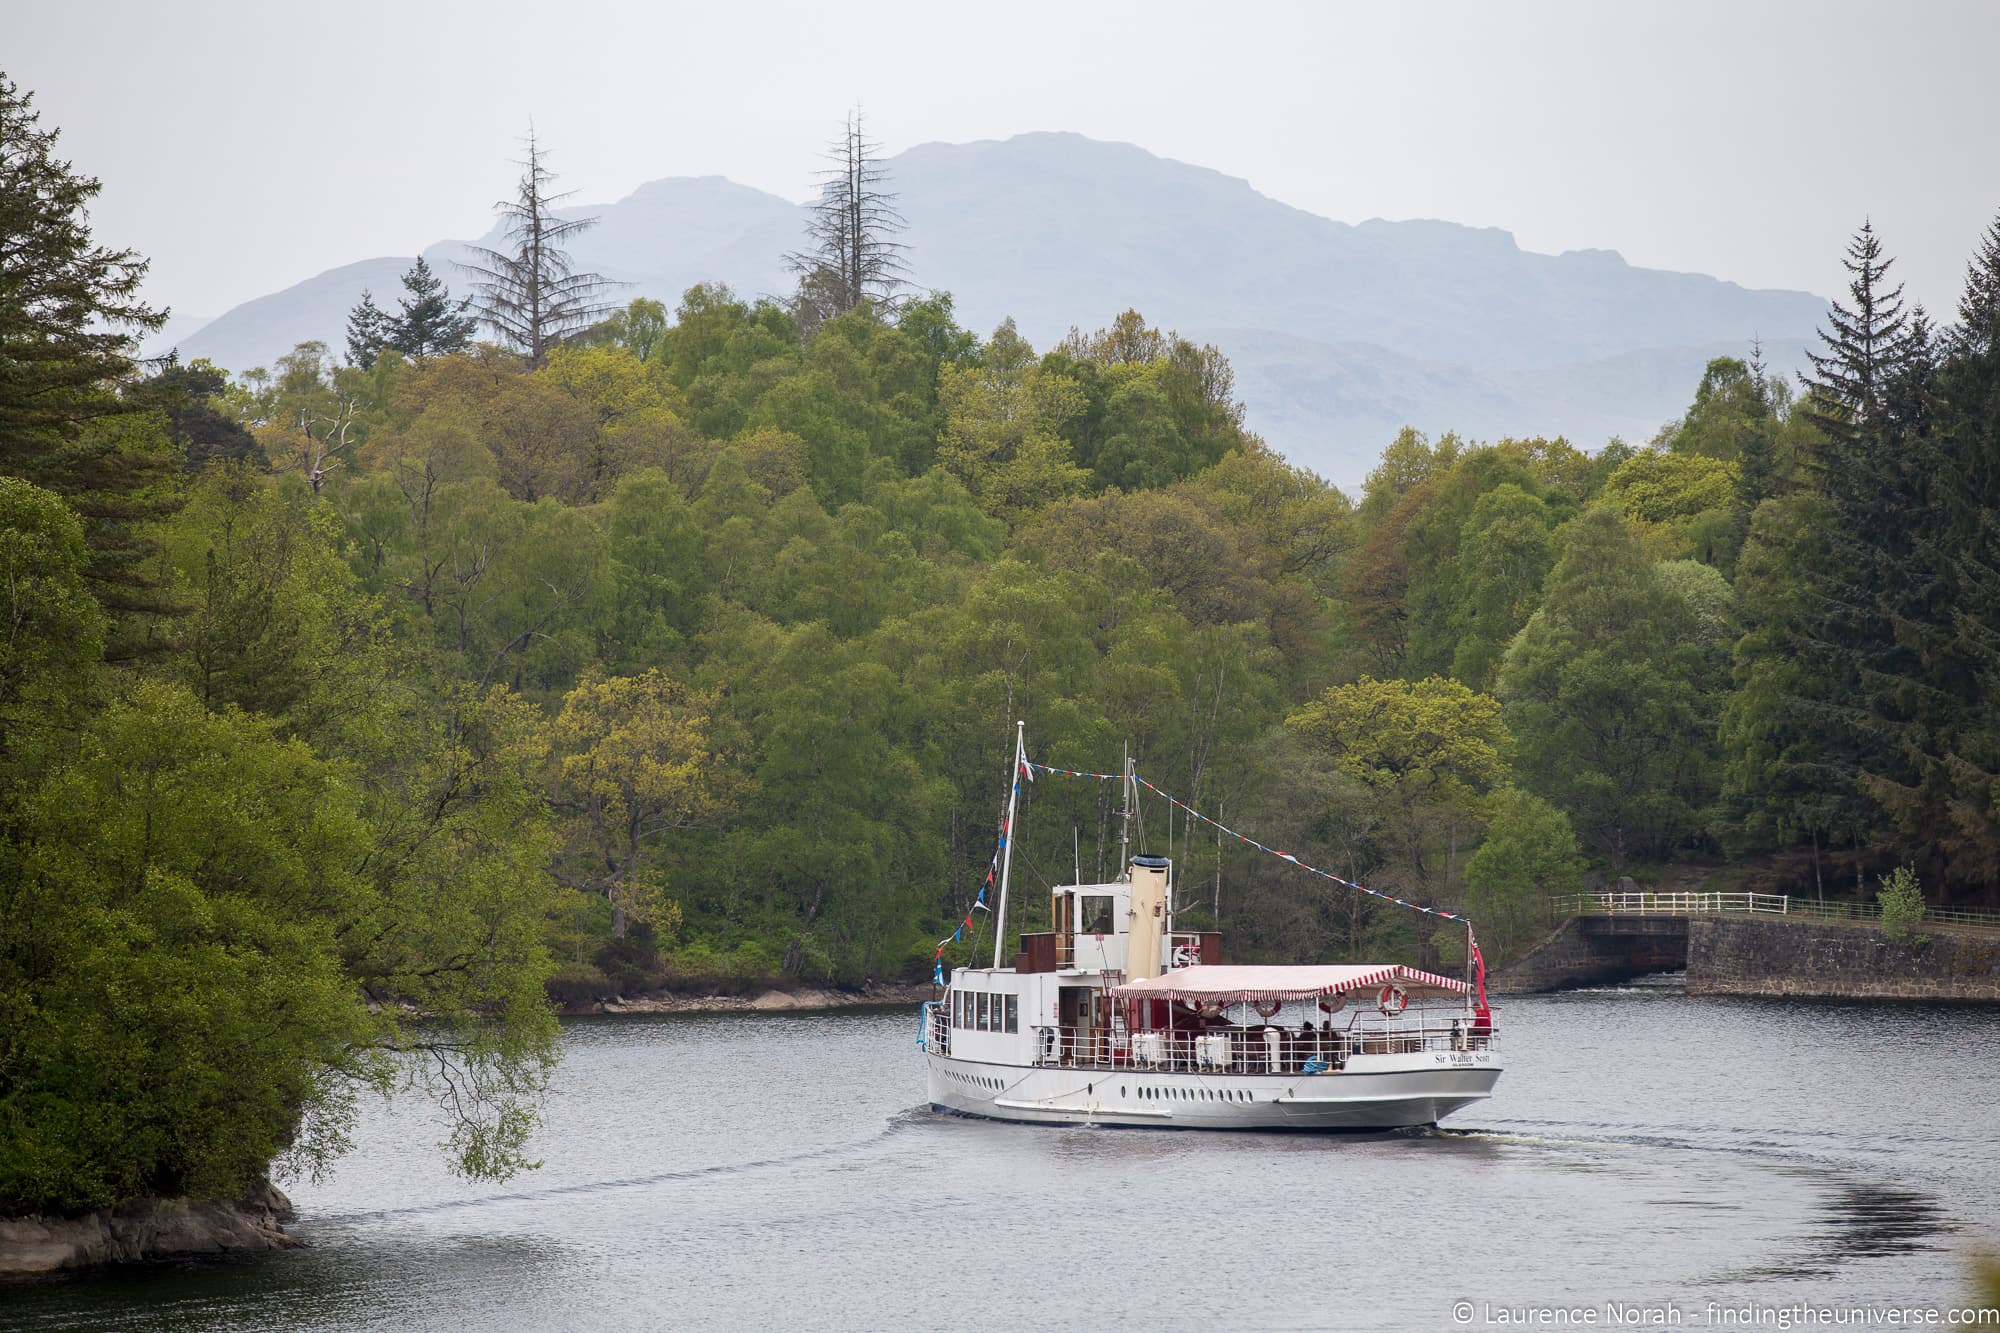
(147, 1229)
(879, 995)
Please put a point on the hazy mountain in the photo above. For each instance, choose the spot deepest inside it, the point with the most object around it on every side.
(1340, 333)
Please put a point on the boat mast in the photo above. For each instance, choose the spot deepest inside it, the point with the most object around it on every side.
(1125, 823)
(1007, 836)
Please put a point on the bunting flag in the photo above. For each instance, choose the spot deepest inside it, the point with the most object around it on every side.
(1248, 841)
(978, 905)
(1029, 766)
(1069, 772)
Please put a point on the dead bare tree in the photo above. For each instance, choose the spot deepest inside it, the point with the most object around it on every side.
(532, 296)
(313, 445)
(853, 254)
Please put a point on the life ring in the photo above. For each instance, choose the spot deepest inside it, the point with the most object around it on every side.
(1267, 1010)
(1333, 1004)
(1392, 1001)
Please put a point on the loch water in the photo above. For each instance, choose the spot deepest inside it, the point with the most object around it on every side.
(1645, 1148)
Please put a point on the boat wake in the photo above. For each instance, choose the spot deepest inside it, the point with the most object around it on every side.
(895, 1125)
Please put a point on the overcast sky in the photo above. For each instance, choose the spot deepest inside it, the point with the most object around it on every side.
(246, 146)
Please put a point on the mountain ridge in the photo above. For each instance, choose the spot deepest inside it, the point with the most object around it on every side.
(1340, 332)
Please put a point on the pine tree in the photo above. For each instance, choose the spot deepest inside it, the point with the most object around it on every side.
(1817, 719)
(368, 331)
(69, 312)
(1966, 460)
(1756, 455)
(1864, 345)
(852, 253)
(532, 296)
(1978, 332)
(428, 324)
(1874, 613)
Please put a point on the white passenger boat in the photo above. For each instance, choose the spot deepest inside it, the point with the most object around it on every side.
(1116, 1018)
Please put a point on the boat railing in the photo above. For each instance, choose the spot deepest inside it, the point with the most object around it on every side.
(937, 1028)
(1263, 1050)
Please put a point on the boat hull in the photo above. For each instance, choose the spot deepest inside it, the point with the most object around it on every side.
(1372, 1093)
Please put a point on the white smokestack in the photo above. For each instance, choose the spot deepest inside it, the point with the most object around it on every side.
(1148, 922)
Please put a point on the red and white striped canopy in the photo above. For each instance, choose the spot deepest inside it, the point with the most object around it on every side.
(1230, 983)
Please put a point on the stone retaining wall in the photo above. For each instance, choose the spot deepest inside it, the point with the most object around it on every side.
(1748, 956)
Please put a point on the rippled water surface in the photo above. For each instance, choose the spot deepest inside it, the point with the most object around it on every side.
(779, 1171)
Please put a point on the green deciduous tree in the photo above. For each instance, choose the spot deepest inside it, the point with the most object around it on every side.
(1529, 855)
(636, 763)
(1431, 749)
(50, 630)
(1902, 898)
(174, 995)
(1002, 433)
(1611, 690)
(1505, 551)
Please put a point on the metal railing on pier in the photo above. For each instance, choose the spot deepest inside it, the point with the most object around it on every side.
(1702, 903)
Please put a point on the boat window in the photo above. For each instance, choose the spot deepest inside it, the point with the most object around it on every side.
(985, 1012)
(1013, 1013)
(1096, 914)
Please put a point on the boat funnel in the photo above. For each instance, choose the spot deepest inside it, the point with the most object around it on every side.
(1148, 922)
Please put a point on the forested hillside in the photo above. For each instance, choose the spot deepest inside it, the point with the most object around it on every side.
(683, 649)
